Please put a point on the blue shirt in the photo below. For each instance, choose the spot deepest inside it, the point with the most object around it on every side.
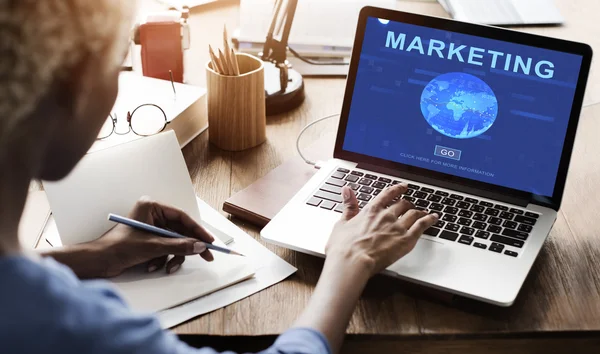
(45, 308)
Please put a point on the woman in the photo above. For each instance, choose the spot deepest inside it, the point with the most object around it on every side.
(58, 69)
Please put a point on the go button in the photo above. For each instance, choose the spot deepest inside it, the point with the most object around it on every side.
(447, 152)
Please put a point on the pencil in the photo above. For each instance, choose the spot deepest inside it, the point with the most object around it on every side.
(172, 83)
(236, 67)
(227, 51)
(224, 63)
(217, 66)
(164, 233)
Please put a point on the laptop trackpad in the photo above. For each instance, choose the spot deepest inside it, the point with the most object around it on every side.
(427, 255)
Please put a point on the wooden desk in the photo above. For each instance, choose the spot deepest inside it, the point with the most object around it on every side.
(558, 308)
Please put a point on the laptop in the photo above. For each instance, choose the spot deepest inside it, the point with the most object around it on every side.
(479, 121)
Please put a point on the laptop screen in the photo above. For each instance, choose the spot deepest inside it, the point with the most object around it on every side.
(468, 106)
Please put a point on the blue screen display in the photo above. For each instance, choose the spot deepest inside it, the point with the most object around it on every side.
(468, 106)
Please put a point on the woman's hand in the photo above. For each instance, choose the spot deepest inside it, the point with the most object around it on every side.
(362, 244)
(383, 232)
(124, 247)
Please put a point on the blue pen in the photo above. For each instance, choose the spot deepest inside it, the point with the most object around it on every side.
(164, 233)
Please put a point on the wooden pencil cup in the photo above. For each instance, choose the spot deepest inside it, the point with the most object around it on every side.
(236, 105)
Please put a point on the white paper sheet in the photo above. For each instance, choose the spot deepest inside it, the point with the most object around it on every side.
(269, 270)
(152, 292)
(113, 180)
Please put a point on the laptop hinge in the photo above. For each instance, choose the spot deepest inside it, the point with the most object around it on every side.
(519, 199)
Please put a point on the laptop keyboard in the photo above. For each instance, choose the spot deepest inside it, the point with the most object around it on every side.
(465, 220)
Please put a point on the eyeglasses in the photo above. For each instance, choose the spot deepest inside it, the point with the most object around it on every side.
(146, 120)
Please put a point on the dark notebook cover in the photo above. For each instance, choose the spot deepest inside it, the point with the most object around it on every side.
(260, 201)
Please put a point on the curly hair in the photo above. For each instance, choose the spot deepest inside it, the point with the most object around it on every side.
(41, 40)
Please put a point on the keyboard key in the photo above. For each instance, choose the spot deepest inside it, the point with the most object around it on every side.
(385, 180)
(501, 207)
(447, 235)
(492, 212)
(376, 192)
(432, 231)
(352, 178)
(338, 175)
(479, 225)
(465, 240)
(357, 173)
(449, 201)
(507, 241)
(410, 199)
(354, 186)
(439, 213)
(516, 211)
(494, 229)
(379, 185)
(516, 234)
(343, 170)
(467, 231)
(464, 222)
(511, 253)
(486, 204)
(471, 200)
(396, 182)
(495, 221)
(450, 210)
(436, 207)
(442, 193)
(480, 217)
(427, 190)
(327, 205)
(457, 197)
(482, 234)
(506, 215)
(365, 181)
(331, 189)
(370, 176)
(420, 209)
(440, 224)
(480, 245)
(465, 213)
(314, 201)
(525, 220)
(495, 247)
(422, 203)
(525, 228)
(450, 218)
(366, 189)
(364, 197)
(510, 224)
(413, 186)
(434, 198)
(420, 195)
(329, 196)
(477, 208)
(336, 182)
(452, 227)
(339, 208)
(409, 192)
(362, 204)
(463, 205)
(532, 215)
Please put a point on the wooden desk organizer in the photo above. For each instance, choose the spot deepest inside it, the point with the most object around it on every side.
(236, 105)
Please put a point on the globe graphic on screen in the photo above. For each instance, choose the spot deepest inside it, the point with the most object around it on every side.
(459, 105)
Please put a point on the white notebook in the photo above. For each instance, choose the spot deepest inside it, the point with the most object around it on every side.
(111, 181)
(504, 12)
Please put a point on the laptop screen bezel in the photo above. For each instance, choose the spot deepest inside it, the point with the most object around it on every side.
(480, 188)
